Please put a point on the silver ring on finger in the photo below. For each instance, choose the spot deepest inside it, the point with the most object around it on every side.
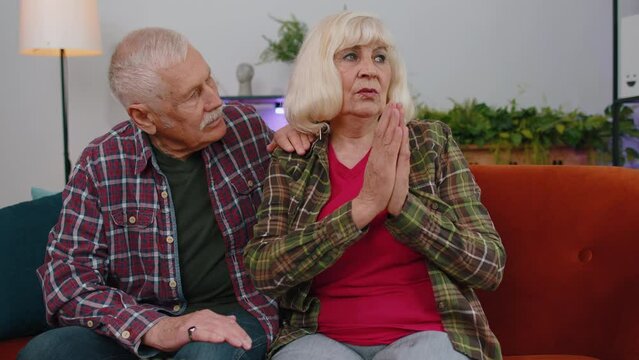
(190, 332)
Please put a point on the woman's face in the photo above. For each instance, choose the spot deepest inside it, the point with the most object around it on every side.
(366, 75)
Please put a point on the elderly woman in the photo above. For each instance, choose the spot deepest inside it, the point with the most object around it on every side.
(375, 240)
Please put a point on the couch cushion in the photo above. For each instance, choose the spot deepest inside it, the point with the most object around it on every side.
(571, 279)
(9, 349)
(37, 193)
(25, 228)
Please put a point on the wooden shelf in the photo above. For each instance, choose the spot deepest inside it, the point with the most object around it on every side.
(257, 99)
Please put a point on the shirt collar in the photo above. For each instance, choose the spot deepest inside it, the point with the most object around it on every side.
(143, 149)
(320, 147)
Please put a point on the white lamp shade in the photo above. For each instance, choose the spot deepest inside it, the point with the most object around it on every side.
(46, 26)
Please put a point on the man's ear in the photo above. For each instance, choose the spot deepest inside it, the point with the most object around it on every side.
(143, 117)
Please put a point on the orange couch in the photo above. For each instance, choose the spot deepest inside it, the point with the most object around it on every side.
(571, 283)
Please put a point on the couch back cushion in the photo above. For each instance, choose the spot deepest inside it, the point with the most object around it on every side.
(571, 283)
(25, 228)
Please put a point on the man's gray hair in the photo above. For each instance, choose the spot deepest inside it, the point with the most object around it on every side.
(133, 73)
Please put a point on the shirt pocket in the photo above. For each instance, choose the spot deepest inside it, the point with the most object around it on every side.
(247, 197)
(133, 218)
(245, 186)
(249, 182)
(133, 245)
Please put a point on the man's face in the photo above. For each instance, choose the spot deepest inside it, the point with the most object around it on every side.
(190, 112)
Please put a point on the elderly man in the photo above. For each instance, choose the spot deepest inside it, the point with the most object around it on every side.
(147, 257)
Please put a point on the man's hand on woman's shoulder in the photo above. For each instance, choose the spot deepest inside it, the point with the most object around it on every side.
(291, 140)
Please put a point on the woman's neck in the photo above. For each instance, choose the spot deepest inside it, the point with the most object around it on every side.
(351, 139)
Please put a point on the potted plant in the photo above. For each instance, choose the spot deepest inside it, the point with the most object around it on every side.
(290, 37)
(512, 134)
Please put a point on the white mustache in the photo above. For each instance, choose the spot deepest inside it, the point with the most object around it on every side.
(212, 116)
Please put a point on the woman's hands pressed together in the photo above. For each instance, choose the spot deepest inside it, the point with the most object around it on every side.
(386, 176)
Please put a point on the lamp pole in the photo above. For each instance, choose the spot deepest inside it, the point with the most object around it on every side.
(65, 127)
(616, 156)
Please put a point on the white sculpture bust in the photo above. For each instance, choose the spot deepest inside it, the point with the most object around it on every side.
(244, 75)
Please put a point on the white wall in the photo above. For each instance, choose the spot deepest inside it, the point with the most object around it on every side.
(542, 52)
(628, 7)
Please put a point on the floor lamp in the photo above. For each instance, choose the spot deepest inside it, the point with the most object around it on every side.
(60, 28)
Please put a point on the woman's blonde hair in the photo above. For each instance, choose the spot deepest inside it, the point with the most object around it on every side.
(315, 89)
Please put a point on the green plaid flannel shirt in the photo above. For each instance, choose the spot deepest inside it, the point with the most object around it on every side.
(442, 218)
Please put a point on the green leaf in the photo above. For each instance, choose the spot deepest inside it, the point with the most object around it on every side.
(290, 37)
(516, 139)
(631, 154)
(527, 133)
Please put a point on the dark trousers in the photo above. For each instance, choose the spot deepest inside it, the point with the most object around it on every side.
(76, 342)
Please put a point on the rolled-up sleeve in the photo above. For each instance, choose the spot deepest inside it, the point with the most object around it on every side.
(282, 255)
(445, 219)
(74, 273)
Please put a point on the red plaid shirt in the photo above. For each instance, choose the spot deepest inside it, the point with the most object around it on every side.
(112, 264)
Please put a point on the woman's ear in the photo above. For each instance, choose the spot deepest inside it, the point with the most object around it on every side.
(143, 117)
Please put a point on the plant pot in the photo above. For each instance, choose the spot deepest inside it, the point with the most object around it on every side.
(559, 155)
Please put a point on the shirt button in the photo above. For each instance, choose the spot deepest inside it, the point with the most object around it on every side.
(164, 194)
(90, 323)
(132, 220)
(126, 334)
(169, 239)
(434, 206)
(250, 183)
(441, 305)
(172, 284)
(176, 307)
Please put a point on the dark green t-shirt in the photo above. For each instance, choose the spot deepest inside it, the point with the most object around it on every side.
(205, 277)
